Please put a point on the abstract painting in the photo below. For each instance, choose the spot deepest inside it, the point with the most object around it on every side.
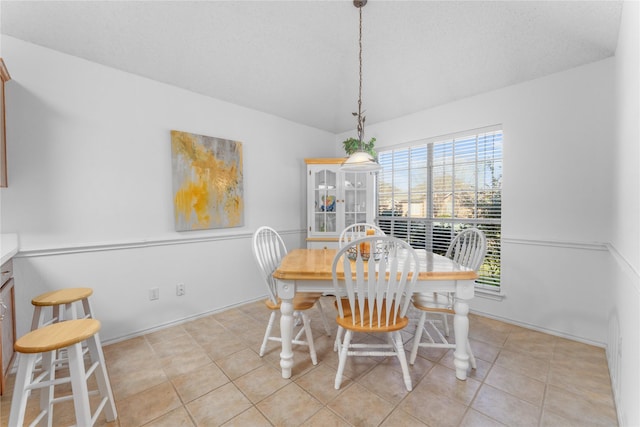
(207, 182)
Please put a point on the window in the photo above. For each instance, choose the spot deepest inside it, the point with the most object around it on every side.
(431, 189)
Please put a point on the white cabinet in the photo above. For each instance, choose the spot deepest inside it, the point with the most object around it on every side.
(336, 199)
(7, 322)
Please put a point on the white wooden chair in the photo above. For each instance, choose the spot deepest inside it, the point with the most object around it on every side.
(268, 250)
(358, 231)
(468, 248)
(350, 233)
(372, 297)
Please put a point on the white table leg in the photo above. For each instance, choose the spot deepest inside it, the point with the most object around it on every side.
(286, 292)
(461, 327)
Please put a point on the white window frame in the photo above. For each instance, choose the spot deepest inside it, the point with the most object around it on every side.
(421, 228)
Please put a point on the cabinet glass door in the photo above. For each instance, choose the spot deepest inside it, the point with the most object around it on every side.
(355, 197)
(325, 193)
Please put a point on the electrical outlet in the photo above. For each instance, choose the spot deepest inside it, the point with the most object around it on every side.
(154, 294)
(180, 289)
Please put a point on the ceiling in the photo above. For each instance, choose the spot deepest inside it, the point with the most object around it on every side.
(299, 59)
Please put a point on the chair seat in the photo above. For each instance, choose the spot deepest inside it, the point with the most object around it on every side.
(63, 304)
(61, 296)
(370, 324)
(302, 301)
(434, 302)
(57, 336)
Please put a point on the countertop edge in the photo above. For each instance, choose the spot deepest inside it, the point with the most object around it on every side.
(8, 247)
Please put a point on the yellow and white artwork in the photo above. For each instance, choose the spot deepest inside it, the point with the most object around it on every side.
(207, 182)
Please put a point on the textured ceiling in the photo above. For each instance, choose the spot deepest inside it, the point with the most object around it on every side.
(299, 59)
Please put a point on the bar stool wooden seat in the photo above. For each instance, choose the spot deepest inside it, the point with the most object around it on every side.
(66, 299)
(47, 340)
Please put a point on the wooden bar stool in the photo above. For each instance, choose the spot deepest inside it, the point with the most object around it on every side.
(47, 340)
(62, 298)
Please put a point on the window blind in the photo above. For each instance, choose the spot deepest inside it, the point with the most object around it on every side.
(430, 190)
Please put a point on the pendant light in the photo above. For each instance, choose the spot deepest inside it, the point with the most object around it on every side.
(360, 161)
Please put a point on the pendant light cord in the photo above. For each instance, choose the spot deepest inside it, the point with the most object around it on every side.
(361, 160)
(360, 118)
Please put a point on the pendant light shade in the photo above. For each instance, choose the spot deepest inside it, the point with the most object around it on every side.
(360, 161)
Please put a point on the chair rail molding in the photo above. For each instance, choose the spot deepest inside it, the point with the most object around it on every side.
(592, 246)
(136, 244)
(625, 265)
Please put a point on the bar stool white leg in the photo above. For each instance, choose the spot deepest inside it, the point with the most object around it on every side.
(37, 318)
(104, 386)
(21, 393)
(55, 316)
(47, 393)
(79, 385)
(88, 310)
(70, 311)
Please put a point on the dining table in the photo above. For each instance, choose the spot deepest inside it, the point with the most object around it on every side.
(310, 270)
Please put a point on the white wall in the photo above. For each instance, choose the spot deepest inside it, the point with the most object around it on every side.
(90, 190)
(624, 341)
(558, 133)
(90, 147)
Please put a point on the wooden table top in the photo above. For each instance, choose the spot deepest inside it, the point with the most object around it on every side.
(315, 264)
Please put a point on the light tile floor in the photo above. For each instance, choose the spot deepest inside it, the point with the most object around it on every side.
(207, 372)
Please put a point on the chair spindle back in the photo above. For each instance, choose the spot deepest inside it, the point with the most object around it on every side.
(377, 299)
(468, 248)
(268, 250)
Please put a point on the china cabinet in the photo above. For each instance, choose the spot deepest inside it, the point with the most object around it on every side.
(336, 199)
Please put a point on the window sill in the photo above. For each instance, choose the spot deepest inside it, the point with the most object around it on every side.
(488, 294)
